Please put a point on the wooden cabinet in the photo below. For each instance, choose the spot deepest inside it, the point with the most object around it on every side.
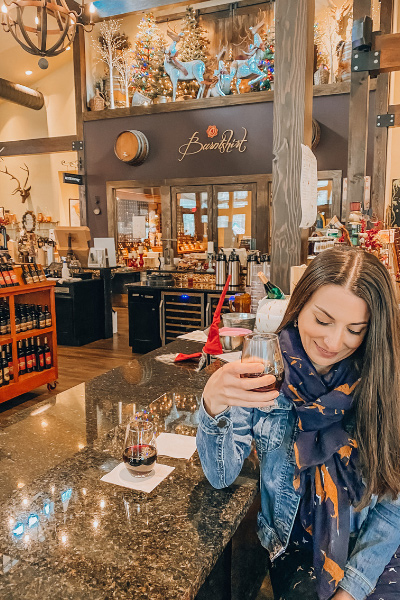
(43, 294)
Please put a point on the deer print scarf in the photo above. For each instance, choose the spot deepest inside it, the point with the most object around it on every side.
(326, 474)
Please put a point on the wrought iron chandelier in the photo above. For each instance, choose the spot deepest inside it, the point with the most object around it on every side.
(43, 27)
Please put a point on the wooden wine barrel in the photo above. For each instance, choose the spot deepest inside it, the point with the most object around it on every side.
(316, 134)
(132, 147)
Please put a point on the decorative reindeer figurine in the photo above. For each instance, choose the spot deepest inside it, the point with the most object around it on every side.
(23, 191)
(182, 71)
(341, 16)
(221, 84)
(242, 69)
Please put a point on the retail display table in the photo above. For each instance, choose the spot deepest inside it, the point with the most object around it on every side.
(64, 533)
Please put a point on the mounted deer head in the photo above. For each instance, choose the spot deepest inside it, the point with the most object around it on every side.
(24, 192)
(341, 15)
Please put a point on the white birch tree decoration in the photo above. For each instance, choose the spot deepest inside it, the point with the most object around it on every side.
(124, 66)
(110, 43)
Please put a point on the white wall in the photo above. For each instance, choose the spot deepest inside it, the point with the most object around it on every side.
(56, 118)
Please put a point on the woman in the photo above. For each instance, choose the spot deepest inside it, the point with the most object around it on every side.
(329, 442)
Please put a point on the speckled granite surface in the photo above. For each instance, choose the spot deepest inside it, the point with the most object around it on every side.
(89, 540)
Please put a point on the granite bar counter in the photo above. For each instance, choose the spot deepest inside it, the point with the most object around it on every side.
(64, 534)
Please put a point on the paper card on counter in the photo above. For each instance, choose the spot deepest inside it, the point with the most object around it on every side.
(230, 356)
(195, 336)
(176, 445)
(308, 187)
(121, 476)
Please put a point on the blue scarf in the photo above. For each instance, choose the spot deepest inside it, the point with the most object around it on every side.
(326, 474)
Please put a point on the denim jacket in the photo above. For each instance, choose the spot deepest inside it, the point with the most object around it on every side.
(225, 441)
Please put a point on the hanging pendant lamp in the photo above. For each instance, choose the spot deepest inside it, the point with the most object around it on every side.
(43, 27)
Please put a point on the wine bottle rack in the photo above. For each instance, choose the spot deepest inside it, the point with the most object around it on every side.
(40, 293)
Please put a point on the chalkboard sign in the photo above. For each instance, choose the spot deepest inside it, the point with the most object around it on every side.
(73, 178)
(396, 202)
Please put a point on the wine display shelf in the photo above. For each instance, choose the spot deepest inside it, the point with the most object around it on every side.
(35, 293)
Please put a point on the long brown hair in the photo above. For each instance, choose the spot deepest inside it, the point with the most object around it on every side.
(377, 397)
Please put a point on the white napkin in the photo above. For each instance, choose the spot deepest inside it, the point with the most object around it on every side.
(121, 476)
(229, 356)
(196, 336)
(176, 445)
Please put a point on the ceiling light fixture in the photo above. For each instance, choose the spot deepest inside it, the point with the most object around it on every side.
(28, 72)
(43, 27)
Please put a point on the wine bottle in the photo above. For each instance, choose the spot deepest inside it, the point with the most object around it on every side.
(41, 318)
(33, 272)
(28, 355)
(47, 355)
(14, 278)
(21, 359)
(40, 360)
(27, 274)
(28, 315)
(10, 361)
(6, 275)
(272, 291)
(23, 319)
(3, 322)
(47, 316)
(40, 272)
(17, 319)
(4, 368)
(34, 357)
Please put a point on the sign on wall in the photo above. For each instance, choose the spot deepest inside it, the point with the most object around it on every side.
(225, 143)
(73, 178)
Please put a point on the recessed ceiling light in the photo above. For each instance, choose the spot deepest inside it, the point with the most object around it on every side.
(28, 72)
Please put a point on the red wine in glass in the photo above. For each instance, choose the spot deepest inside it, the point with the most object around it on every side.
(140, 459)
(266, 388)
(264, 348)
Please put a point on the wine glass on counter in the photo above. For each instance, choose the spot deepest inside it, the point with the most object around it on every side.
(264, 348)
(140, 452)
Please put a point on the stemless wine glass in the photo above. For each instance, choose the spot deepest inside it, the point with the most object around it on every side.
(140, 453)
(264, 348)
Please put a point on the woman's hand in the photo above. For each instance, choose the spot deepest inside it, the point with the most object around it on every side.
(226, 388)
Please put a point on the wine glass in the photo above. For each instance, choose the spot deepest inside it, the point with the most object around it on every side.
(264, 348)
(140, 452)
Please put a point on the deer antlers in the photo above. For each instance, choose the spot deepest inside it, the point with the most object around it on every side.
(23, 191)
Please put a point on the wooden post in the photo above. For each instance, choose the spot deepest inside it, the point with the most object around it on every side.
(378, 185)
(294, 57)
(358, 125)
(80, 107)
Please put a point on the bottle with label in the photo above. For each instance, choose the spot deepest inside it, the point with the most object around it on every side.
(28, 355)
(33, 352)
(47, 355)
(28, 316)
(65, 274)
(40, 272)
(40, 360)
(24, 326)
(3, 323)
(33, 272)
(17, 319)
(47, 316)
(6, 275)
(21, 359)
(7, 313)
(5, 369)
(10, 268)
(26, 274)
(41, 318)
(10, 361)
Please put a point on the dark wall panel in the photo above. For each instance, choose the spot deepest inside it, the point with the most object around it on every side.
(166, 132)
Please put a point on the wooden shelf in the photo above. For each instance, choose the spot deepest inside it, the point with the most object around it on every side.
(42, 293)
(27, 382)
(26, 289)
(34, 333)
